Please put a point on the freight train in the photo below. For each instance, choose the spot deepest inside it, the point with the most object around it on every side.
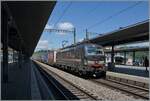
(85, 59)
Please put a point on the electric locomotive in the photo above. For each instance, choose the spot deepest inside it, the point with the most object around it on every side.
(85, 59)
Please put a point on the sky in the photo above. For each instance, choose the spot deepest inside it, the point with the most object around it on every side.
(95, 16)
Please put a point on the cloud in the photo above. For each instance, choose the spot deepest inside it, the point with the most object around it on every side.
(80, 40)
(42, 45)
(65, 26)
(48, 26)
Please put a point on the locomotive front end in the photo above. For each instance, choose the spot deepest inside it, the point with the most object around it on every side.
(95, 60)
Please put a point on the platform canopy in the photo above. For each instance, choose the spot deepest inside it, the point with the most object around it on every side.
(133, 33)
(132, 49)
(27, 21)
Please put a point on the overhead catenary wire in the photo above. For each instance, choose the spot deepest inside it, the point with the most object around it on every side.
(63, 13)
(63, 30)
(93, 9)
(114, 15)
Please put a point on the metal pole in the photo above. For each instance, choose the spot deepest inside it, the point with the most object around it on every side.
(47, 55)
(87, 36)
(74, 33)
(5, 44)
(19, 59)
(112, 55)
(62, 44)
(125, 57)
(12, 55)
(133, 57)
(105, 57)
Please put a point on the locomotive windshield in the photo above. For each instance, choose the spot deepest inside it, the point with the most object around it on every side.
(93, 50)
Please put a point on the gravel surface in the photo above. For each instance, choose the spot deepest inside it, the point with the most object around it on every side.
(102, 92)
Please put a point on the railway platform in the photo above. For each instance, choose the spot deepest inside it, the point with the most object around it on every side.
(130, 74)
(22, 83)
(129, 77)
(131, 70)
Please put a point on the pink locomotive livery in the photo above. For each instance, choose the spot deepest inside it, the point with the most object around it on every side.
(51, 57)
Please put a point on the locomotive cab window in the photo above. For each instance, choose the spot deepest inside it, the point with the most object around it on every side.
(93, 50)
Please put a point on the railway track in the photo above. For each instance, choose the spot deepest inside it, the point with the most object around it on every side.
(73, 92)
(129, 89)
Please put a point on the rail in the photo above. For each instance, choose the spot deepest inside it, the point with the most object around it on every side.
(127, 88)
(74, 89)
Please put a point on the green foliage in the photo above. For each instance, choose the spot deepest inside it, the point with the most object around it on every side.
(39, 53)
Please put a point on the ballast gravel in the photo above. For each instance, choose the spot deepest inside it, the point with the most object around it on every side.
(100, 91)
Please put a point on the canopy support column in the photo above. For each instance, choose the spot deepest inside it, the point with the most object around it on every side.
(5, 44)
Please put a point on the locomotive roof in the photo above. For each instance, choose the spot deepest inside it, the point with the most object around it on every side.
(74, 45)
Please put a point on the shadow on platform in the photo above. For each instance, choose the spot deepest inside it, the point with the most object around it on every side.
(25, 83)
(18, 86)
